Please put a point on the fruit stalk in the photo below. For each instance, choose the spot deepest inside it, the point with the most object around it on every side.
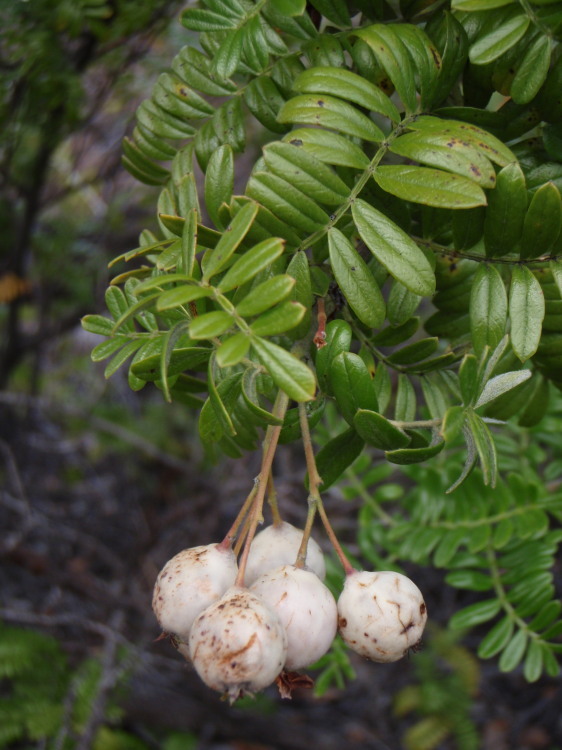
(269, 448)
(315, 501)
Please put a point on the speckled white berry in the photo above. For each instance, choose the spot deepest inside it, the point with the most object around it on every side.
(279, 545)
(307, 611)
(238, 645)
(381, 614)
(189, 583)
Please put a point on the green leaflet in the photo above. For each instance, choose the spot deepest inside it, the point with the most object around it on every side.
(251, 397)
(125, 322)
(228, 124)
(446, 152)
(210, 324)
(329, 147)
(431, 187)
(485, 142)
(188, 245)
(264, 100)
(291, 7)
(488, 308)
(279, 319)
(493, 43)
(214, 419)
(406, 404)
(229, 241)
(555, 267)
(453, 422)
(251, 263)
(356, 280)
(533, 667)
(176, 97)
(378, 431)
(305, 172)
(475, 614)
(219, 182)
(390, 51)
(501, 384)
(107, 348)
(337, 455)
(185, 356)
(198, 19)
(401, 304)
(415, 352)
(485, 446)
(162, 124)
(505, 213)
(346, 85)
(299, 269)
(543, 221)
(286, 202)
(526, 312)
(227, 57)
(396, 334)
(451, 40)
(407, 456)
(266, 294)
(532, 72)
(118, 306)
(181, 295)
(329, 112)
(392, 247)
(513, 652)
(335, 10)
(496, 639)
(470, 5)
(137, 159)
(233, 350)
(352, 385)
(97, 324)
(287, 372)
(426, 61)
(194, 66)
(338, 339)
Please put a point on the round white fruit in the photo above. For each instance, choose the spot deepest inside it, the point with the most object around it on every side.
(279, 545)
(238, 645)
(189, 583)
(307, 611)
(381, 614)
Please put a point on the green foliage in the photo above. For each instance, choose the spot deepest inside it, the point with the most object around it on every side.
(45, 699)
(447, 677)
(408, 193)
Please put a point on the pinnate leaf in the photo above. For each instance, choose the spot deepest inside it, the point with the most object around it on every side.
(392, 247)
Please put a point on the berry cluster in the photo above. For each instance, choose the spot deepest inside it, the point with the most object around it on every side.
(243, 636)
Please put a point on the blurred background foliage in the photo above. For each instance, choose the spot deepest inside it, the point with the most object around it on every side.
(94, 495)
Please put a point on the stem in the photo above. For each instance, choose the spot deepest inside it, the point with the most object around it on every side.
(450, 252)
(314, 499)
(320, 335)
(272, 501)
(301, 555)
(359, 185)
(233, 531)
(269, 448)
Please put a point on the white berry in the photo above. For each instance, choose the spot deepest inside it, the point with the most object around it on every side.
(238, 645)
(307, 611)
(381, 614)
(189, 583)
(279, 545)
